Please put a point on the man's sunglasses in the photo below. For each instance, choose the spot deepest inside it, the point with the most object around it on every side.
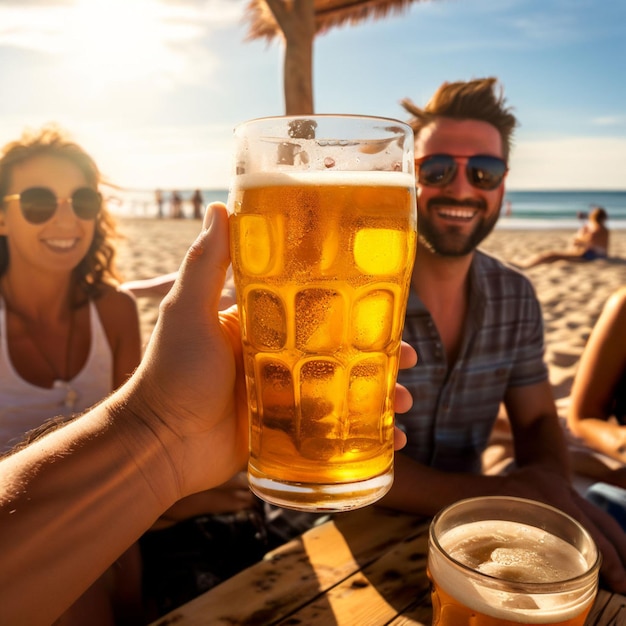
(38, 204)
(483, 171)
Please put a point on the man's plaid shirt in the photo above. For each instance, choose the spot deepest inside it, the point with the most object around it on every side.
(453, 411)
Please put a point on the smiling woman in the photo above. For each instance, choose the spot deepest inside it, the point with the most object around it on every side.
(69, 335)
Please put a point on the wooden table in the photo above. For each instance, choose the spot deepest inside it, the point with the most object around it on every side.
(363, 568)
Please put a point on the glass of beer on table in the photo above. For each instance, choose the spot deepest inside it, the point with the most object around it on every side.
(503, 561)
(323, 234)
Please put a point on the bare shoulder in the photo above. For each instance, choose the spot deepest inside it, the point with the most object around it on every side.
(117, 310)
(119, 317)
(610, 327)
(617, 303)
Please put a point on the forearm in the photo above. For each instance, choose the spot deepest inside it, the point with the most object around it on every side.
(423, 490)
(542, 443)
(604, 436)
(92, 502)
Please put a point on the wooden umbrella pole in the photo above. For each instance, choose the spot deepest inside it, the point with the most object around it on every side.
(297, 23)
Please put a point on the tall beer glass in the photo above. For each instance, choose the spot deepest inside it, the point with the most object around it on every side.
(323, 230)
(501, 561)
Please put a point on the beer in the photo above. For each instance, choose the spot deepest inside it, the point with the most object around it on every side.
(500, 572)
(322, 264)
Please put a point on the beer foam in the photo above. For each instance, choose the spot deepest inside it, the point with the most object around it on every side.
(518, 553)
(323, 178)
(514, 552)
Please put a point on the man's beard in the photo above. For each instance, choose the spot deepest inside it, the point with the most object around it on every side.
(452, 241)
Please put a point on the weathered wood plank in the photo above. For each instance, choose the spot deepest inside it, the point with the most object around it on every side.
(298, 572)
(376, 594)
(418, 615)
(608, 610)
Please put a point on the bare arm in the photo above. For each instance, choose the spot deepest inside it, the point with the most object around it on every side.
(538, 441)
(600, 369)
(422, 490)
(544, 474)
(537, 434)
(156, 287)
(582, 237)
(63, 523)
(159, 286)
(120, 318)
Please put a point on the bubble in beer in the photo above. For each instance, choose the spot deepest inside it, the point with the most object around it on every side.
(321, 405)
(319, 320)
(319, 436)
(372, 320)
(277, 395)
(266, 320)
(366, 401)
(255, 239)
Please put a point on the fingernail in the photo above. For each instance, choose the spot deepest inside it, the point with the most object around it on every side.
(208, 217)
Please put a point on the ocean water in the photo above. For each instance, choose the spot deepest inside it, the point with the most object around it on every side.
(561, 209)
(528, 209)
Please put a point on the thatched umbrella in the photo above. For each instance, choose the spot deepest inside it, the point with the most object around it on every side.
(298, 21)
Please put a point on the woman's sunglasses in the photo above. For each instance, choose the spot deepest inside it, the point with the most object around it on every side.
(483, 171)
(38, 204)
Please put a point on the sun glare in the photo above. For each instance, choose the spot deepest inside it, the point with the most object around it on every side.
(113, 42)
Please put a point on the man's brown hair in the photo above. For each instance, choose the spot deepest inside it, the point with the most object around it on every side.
(478, 99)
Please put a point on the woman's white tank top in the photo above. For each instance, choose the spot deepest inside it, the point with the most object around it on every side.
(24, 406)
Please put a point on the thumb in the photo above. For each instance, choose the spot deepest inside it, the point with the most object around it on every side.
(203, 270)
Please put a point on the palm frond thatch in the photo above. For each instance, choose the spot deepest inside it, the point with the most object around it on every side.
(328, 14)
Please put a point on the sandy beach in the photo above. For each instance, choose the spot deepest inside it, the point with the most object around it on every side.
(571, 294)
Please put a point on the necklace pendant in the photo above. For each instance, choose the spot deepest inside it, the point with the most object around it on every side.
(71, 395)
(71, 398)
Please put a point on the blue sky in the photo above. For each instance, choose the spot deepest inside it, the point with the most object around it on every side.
(153, 89)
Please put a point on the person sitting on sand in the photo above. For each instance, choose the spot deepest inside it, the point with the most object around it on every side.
(597, 411)
(197, 202)
(590, 242)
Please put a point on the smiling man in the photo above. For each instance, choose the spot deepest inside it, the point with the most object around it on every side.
(478, 330)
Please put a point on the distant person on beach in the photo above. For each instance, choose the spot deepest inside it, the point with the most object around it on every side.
(158, 198)
(68, 334)
(477, 326)
(176, 203)
(591, 242)
(197, 202)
